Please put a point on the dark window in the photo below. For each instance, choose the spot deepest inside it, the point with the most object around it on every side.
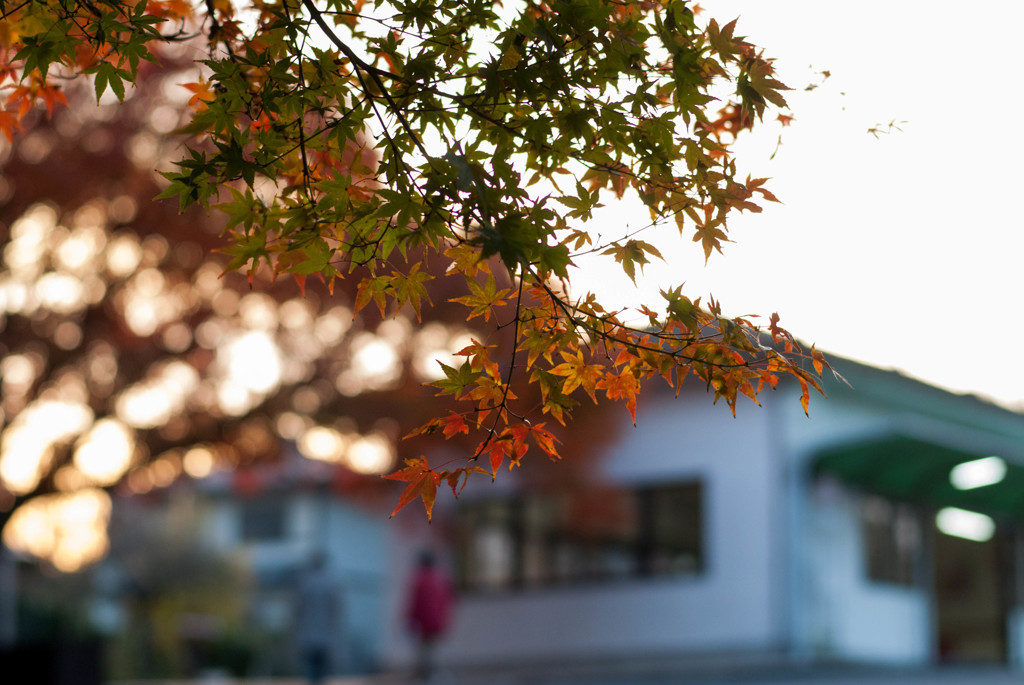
(675, 529)
(596, 534)
(892, 540)
(263, 520)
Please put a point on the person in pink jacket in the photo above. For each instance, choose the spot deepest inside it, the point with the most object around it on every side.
(431, 601)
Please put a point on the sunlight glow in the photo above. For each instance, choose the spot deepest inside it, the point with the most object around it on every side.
(154, 401)
(258, 312)
(331, 327)
(24, 254)
(164, 471)
(60, 292)
(68, 530)
(253, 361)
(207, 282)
(296, 314)
(291, 425)
(198, 462)
(14, 296)
(234, 399)
(70, 479)
(374, 357)
(104, 454)
(375, 365)
(149, 302)
(29, 440)
(322, 444)
(371, 454)
(101, 364)
(434, 345)
(19, 372)
(78, 252)
(123, 255)
(67, 335)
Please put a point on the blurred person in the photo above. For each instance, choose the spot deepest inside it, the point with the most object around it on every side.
(431, 599)
(317, 624)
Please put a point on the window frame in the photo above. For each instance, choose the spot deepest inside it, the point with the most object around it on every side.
(254, 513)
(888, 559)
(540, 557)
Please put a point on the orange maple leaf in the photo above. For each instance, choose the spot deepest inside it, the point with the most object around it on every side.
(453, 425)
(578, 373)
(623, 386)
(202, 93)
(517, 445)
(24, 97)
(545, 440)
(9, 123)
(422, 483)
(51, 95)
(260, 123)
(496, 450)
(176, 9)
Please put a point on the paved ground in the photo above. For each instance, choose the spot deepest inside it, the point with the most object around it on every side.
(658, 674)
(771, 676)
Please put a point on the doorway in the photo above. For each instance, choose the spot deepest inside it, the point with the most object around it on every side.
(972, 598)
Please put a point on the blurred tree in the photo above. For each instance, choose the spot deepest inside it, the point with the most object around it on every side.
(184, 600)
(130, 359)
(497, 131)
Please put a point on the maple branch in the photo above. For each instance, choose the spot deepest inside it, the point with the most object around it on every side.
(462, 100)
(317, 16)
(4, 13)
(301, 121)
(391, 27)
(215, 29)
(578, 317)
(361, 65)
(375, 74)
(503, 405)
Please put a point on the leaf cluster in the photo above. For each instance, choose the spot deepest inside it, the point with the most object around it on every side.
(342, 138)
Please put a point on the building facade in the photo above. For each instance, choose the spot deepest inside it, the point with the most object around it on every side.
(771, 533)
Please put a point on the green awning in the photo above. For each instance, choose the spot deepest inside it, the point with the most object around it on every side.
(910, 469)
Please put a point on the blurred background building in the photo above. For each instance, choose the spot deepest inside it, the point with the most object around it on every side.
(176, 444)
(148, 399)
(884, 529)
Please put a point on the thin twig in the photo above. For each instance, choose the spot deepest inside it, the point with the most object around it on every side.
(503, 405)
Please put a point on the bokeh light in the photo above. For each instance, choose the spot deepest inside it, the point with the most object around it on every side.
(68, 529)
(129, 360)
(104, 454)
(323, 444)
(29, 440)
(371, 454)
(198, 462)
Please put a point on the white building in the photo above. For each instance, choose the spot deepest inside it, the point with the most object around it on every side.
(769, 534)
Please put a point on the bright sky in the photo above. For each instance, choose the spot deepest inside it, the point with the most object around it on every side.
(903, 251)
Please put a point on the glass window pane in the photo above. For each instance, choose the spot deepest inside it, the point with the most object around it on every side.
(892, 540)
(590, 534)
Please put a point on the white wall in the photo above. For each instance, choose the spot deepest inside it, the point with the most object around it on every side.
(732, 605)
(1015, 637)
(848, 615)
(782, 569)
(823, 547)
(356, 543)
(838, 612)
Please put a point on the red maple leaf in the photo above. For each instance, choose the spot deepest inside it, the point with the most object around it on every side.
(422, 483)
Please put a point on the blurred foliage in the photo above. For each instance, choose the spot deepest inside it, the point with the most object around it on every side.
(388, 145)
